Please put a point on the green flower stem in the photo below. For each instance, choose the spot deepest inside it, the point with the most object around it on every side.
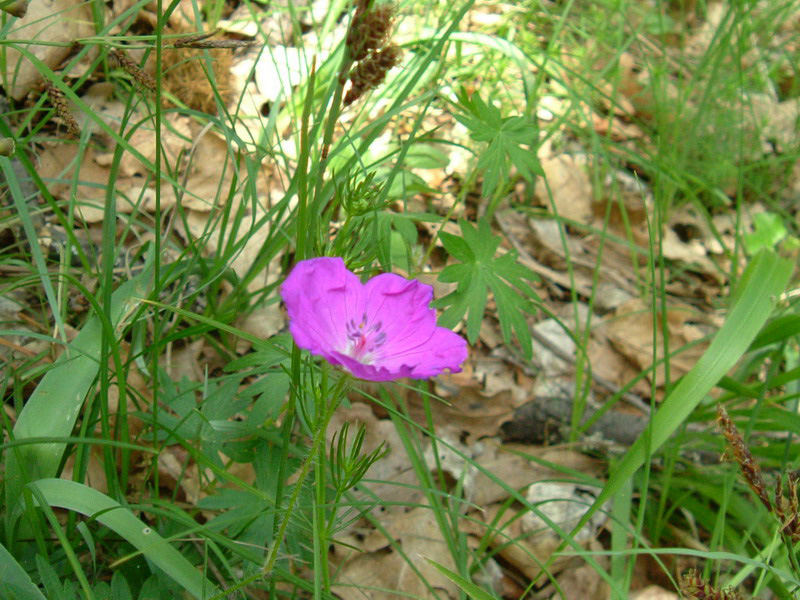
(312, 457)
(321, 573)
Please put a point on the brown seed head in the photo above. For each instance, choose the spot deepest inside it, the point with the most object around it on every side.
(741, 453)
(139, 75)
(371, 72)
(60, 103)
(694, 588)
(371, 31)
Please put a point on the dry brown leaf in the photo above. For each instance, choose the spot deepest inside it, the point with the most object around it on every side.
(518, 472)
(57, 22)
(547, 235)
(517, 548)
(609, 364)
(204, 174)
(263, 322)
(95, 476)
(691, 251)
(551, 364)
(469, 413)
(374, 574)
(583, 582)
(184, 361)
(497, 376)
(570, 188)
(631, 333)
(176, 468)
(563, 503)
(57, 162)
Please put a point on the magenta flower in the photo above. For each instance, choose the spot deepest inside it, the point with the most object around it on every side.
(380, 330)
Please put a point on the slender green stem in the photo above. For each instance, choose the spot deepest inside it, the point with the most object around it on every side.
(321, 574)
(316, 447)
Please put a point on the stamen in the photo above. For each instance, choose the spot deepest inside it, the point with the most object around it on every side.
(364, 339)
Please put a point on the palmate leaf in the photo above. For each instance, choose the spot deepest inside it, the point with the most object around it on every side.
(477, 273)
(507, 138)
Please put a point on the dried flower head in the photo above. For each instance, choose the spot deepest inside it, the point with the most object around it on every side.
(139, 75)
(60, 103)
(741, 453)
(370, 30)
(380, 330)
(694, 588)
(371, 72)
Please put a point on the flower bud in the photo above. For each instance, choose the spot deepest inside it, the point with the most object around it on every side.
(17, 8)
(6, 146)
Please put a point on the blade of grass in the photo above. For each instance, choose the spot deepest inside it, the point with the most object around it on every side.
(763, 281)
(96, 505)
(53, 407)
(469, 588)
(36, 250)
(16, 582)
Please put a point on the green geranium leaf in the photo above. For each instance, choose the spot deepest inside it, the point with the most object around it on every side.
(510, 141)
(479, 272)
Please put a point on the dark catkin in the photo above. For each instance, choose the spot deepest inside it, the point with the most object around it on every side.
(694, 588)
(128, 65)
(370, 72)
(742, 455)
(371, 31)
(60, 103)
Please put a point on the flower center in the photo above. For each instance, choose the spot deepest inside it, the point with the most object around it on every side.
(364, 339)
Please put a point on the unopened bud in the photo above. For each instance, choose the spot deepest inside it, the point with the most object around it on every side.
(6, 146)
(17, 8)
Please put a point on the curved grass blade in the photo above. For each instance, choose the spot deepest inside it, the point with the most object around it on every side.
(87, 501)
(15, 581)
(466, 586)
(53, 407)
(762, 282)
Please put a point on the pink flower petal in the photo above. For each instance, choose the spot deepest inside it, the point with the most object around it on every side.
(443, 350)
(380, 331)
(317, 294)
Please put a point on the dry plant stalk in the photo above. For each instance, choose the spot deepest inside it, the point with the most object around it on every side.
(201, 40)
(694, 588)
(741, 453)
(60, 103)
(139, 75)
